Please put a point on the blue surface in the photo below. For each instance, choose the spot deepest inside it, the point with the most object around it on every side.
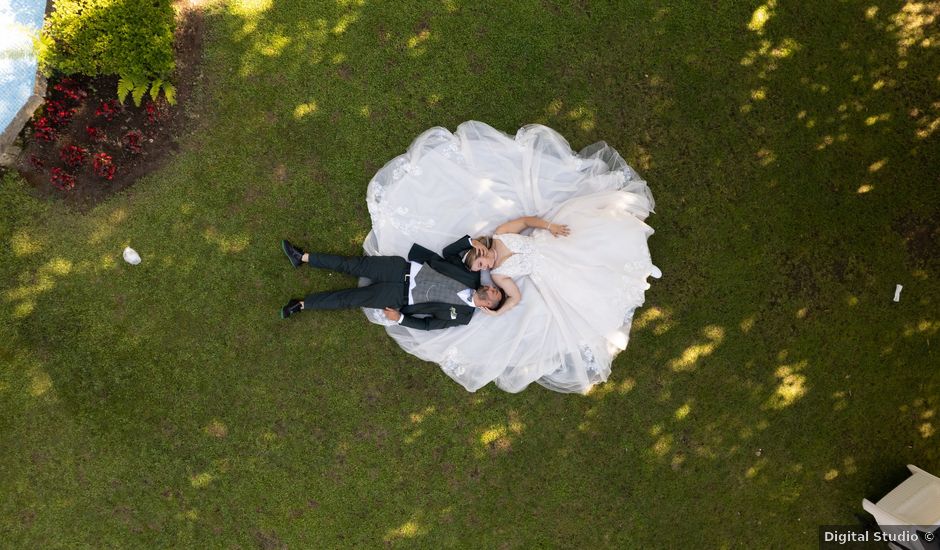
(20, 21)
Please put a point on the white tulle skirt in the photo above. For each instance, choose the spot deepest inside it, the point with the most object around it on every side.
(575, 314)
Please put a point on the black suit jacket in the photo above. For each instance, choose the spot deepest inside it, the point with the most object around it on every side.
(437, 315)
(451, 264)
(454, 253)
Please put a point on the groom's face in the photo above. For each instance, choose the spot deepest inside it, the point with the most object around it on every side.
(486, 261)
(488, 296)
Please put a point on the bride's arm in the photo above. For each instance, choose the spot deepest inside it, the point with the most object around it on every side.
(513, 294)
(517, 225)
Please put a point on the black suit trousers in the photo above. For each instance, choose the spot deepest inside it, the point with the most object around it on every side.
(386, 272)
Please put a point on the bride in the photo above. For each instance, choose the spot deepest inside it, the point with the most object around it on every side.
(573, 260)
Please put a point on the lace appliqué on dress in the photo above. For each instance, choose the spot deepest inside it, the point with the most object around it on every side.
(524, 259)
(452, 152)
(522, 137)
(452, 364)
(631, 294)
(593, 369)
(518, 244)
(403, 166)
(378, 317)
(400, 218)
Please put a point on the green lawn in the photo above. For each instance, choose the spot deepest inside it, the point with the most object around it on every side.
(770, 383)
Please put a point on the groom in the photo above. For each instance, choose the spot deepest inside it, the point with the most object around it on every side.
(424, 292)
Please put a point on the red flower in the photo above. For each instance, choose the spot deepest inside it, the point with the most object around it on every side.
(134, 140)
(107, 109)
(73, 155)
(62, 179)
(43, 130)
(54, 105)
(155, 110)
(151, 109)
(45, 134)
(103, 166)
(70, 89)
(67, 83)
(94, 134)
(58, 113)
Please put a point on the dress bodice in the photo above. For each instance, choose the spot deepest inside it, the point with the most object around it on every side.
(524, 255)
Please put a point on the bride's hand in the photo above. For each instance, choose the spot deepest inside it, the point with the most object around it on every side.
(490, 312)
(559, 229)
(479, 247)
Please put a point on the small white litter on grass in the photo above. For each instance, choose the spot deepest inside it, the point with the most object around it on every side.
(131, 256)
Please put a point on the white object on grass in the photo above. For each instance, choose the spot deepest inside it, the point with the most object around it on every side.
(131, 256)
(912, 506)
(897, 293)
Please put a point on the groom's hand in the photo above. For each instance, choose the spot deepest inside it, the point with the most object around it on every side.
(392, 314)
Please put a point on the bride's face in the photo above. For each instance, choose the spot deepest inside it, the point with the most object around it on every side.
(484, 262)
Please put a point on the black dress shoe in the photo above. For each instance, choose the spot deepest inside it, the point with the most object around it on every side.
(294, 254)
(292, 307)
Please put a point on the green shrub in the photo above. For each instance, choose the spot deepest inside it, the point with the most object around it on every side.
(129, 38)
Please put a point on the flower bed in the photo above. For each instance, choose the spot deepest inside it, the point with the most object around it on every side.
(83, 142)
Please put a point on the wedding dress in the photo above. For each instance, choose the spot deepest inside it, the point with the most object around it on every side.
(579, 292)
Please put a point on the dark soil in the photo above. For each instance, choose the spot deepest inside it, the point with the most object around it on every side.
(138, 140)
(921, 235)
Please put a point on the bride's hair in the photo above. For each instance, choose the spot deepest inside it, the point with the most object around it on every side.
(472, 254)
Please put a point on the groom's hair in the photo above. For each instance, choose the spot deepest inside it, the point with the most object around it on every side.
(502, 297)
